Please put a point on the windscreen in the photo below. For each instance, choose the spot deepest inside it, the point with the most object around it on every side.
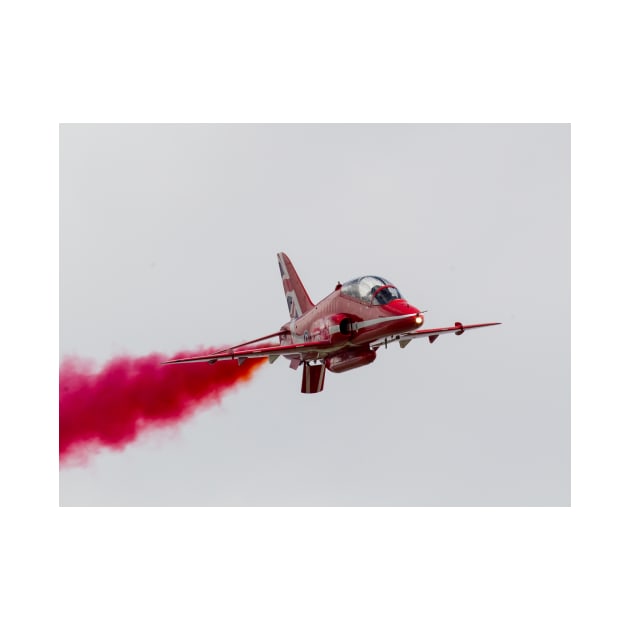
(371, 290)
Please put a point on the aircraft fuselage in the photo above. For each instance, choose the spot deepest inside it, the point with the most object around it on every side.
(346, 322)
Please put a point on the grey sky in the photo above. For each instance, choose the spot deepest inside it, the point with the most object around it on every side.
(168, 242)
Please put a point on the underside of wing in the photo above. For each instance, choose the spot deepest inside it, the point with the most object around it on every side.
(245, 351)
(431, 333)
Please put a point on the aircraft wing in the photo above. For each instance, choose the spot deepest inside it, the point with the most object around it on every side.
(431, 333)
(247, 351)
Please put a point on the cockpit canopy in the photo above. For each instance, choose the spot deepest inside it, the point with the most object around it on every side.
(371, 290)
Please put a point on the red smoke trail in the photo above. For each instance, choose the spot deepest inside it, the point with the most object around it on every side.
(130, 395)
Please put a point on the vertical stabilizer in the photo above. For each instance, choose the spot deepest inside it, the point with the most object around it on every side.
(297, 297)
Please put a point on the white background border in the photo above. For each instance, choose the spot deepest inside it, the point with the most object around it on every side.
(315, 568)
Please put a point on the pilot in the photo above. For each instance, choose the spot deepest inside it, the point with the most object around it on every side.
(383, 294)
(377, 291)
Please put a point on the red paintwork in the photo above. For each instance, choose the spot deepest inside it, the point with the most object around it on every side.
(341, 332)
(349, 359)
(335, 308)
(313, 378)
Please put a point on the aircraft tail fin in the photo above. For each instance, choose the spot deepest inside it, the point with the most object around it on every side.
(298, 300)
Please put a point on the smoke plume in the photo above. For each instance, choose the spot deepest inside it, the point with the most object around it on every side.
(111, 407)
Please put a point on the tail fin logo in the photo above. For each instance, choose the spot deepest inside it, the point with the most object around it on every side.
(294, 309)
(298, 300)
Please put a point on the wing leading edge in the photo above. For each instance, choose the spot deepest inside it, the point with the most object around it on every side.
(310, 349)
(243, 352)
(431, 333)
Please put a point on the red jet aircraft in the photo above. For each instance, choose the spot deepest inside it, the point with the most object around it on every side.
(340, 333)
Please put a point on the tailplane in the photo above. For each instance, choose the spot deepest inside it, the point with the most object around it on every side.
(298, 300)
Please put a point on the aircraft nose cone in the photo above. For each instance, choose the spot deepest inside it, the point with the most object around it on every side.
(419, 318)
(402, 307)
